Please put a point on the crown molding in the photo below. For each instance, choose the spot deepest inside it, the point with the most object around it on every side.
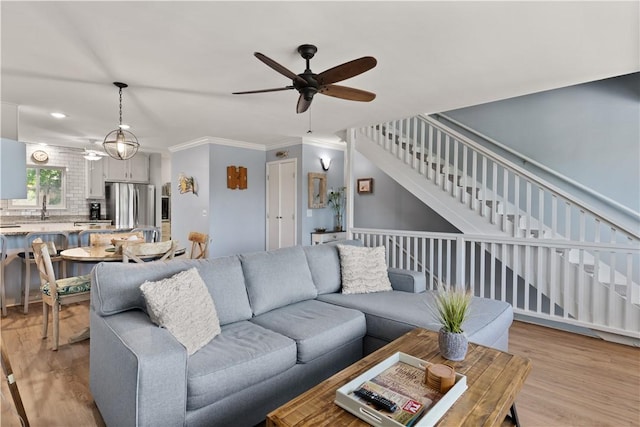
(216, 141)
(325, 143)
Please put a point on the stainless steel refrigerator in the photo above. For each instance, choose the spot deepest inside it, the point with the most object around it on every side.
(130, 205)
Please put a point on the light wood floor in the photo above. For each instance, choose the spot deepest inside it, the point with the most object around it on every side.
(575, 380)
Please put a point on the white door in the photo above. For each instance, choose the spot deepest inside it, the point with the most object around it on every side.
(281, 204)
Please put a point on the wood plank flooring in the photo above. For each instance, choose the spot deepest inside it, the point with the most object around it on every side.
(575, 380)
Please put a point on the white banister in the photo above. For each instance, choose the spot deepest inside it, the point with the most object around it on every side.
(541, 280)
(599, 196)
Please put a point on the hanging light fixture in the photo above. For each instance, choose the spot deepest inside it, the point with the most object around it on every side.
(120, 143)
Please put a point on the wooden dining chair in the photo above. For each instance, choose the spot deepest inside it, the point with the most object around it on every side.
(56, 293)
(104, 239)
(199, 245)
(157, 251)
(151, 234)
(59, 242)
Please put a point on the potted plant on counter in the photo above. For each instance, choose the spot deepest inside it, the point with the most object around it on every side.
(452, 309)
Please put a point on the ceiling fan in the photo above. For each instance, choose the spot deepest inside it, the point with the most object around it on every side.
(308, 83)
(89, 153)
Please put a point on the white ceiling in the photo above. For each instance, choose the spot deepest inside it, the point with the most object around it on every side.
(182, 60)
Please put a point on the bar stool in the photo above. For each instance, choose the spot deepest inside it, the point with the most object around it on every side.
(60, 240)
(199, 245)
(3, 256)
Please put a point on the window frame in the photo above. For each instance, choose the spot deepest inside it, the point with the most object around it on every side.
(16, 205)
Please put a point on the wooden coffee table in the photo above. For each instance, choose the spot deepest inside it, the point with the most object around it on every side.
(494, 379)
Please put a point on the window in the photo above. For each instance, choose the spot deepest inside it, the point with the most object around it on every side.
(43, 181)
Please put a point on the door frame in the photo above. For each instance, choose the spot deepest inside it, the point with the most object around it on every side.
(295, 198)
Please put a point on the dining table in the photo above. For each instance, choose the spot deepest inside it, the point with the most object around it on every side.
(96, 254)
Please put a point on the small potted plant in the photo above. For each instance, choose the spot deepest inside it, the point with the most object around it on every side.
(336, 202)
(452, 309)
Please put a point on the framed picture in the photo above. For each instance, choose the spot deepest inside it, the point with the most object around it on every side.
(365, 185)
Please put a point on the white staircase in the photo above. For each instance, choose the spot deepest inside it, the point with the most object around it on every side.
(577, 259)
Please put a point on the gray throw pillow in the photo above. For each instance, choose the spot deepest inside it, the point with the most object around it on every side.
(182, 304)
(364, 270)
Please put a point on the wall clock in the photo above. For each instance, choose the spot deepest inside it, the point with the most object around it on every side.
(40, 156)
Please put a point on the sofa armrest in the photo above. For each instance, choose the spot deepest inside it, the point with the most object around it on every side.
(407, 280)
(138, 371)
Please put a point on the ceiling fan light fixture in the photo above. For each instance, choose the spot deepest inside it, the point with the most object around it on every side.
(120, 143)
(92, 157)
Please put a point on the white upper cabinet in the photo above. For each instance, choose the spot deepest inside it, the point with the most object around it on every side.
(135, 169)
(95, 179)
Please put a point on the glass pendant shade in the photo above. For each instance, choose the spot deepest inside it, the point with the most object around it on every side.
(121, 144)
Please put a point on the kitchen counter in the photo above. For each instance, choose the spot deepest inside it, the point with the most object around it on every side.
(69, 227)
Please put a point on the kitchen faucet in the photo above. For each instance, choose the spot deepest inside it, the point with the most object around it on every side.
(43, 212)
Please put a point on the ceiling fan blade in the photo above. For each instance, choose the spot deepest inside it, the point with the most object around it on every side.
(279, 68)
(263, 90)
(303, 104)
(349, 93)
(347, 70)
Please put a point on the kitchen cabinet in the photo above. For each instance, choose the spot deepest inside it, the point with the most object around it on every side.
(135, 169)
(95, 179)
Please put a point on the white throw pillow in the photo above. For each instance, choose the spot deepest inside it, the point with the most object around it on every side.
(183, 305)
(364, 270)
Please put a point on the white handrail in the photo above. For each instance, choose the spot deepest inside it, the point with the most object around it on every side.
(536, 276)
(446, 139)
(599, 196)
(530, 176)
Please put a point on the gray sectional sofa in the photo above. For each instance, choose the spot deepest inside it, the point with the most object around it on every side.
(285, 327)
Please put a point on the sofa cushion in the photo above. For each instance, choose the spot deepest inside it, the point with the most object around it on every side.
(316, 327)
(277, 278)
(242, 355)
(115, 287)
(391, 314)
(364, 270)
(225, 280)
(324, 264)
(182, 304)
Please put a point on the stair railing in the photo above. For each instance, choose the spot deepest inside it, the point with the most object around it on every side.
(538, 277)
(507, 195)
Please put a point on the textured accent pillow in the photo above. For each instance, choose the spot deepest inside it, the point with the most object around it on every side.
(182, 304)
(364, 270)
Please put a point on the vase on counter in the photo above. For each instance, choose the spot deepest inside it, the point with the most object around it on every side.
(338, 226)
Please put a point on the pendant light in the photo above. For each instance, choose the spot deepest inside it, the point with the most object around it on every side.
(120, 143)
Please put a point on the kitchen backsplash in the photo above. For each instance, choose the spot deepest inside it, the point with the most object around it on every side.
(76, 203)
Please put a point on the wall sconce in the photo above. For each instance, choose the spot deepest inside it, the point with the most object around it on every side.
(282, 154)
(325, 162)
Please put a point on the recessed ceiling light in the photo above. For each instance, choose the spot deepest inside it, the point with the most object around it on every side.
(124, 126)
(58, 115)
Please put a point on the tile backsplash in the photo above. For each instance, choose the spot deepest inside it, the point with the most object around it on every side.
(76, 202)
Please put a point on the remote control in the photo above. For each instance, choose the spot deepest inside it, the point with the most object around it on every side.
(376, 399)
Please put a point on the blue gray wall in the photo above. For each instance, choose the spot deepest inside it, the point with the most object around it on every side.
(234, 219)
(190, 212)
(237, 216)
(589, 133)
(391, 206)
